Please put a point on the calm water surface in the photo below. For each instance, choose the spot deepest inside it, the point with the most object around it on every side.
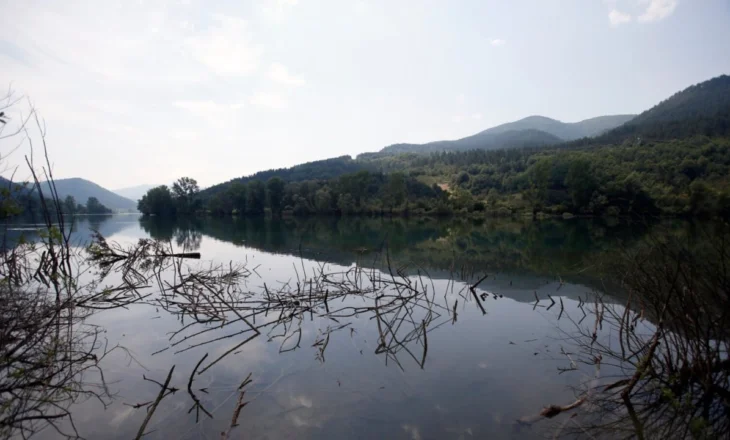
(481, 372)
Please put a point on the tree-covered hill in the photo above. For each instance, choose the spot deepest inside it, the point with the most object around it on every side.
(702, 109)
(673, 159)
(82, 190)
(486, 141)
(317, 170)
(22, 199)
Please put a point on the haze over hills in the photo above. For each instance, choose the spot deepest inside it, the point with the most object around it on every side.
(134, 193)
(532, 131)
(82, 189)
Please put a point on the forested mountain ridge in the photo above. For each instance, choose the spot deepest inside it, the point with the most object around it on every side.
(488, 141)
(322, 169)
(82, 189)
(674, 161)
(703, 109)
(532, 131)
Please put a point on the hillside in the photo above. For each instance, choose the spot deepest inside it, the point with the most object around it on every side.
(703, 109)
(82, 189)
(680, 168)
(320, 169)
(565, 131)
(533, 131)
(134, 193)
(488, 141)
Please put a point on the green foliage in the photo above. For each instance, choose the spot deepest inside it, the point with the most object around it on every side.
(702, 109)
(275, 194)
(70, 205)
(93, 206)
(256, 197)
(673, 160)
(185, 193)
(318, 170)
(158, 201)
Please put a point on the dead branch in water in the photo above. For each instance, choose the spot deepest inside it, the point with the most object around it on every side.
(474, 293)
(163, 392)
(237, 410)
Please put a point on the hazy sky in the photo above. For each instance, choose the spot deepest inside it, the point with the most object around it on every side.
(147, 91)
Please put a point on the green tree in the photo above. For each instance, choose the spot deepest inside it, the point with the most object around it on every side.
(346, 204)
(69, 205)
(185, 191)
(701, 199)
(275, 194)
(93, 206)
(323, 200)
(581, 183)
(540, 178)
(395, 191)
(158, 201)
(256, 197)
(236, 193)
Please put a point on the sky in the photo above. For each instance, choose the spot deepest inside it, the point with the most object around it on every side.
(143, 92)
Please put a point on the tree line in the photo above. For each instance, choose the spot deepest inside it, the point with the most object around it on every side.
(687, 177)
(17, 200)
(363, 192)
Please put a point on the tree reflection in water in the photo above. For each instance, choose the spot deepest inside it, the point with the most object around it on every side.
(656, 366)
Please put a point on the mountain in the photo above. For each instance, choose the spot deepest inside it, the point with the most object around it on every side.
(565, 131)
(82, 189)
(316, 170)
(701, 109)
(532, 131)
(134, 192)
(484, 141)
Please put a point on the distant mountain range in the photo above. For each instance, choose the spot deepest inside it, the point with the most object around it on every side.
(703, 108)
(134, 192)
(532, 131)
(82, 189)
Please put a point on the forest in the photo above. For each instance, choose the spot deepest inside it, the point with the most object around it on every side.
(22, 199)
(671, 160)
(687, 177)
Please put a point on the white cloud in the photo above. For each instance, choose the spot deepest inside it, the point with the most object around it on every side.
(279, 73)
(617, 18)
(226, 48)
(217, 115)
(496, 42)
(476, 116)
(268, 100)
(457, 119)
(657, 10)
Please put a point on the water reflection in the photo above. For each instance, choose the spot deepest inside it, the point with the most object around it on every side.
(374, 328)
(444, 249)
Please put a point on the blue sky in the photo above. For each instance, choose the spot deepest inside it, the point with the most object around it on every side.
(147, 91)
